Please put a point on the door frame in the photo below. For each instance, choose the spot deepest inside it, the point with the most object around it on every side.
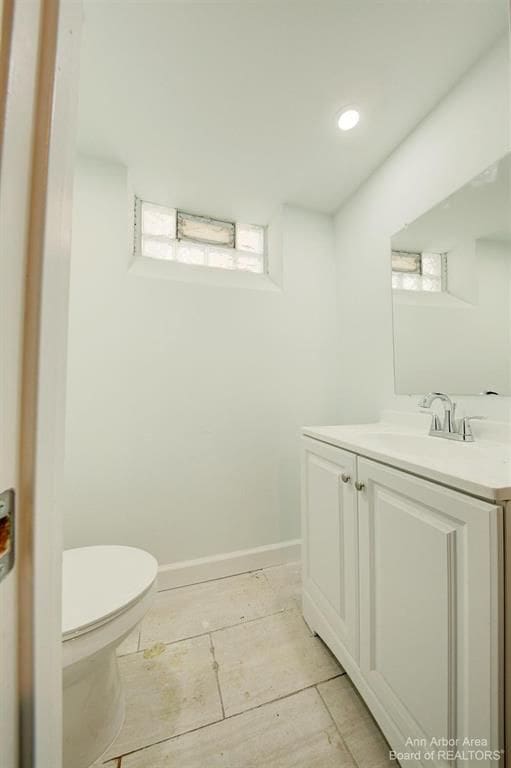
(51, 389)
(57, 29)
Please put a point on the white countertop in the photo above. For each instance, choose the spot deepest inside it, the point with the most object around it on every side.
(481, 468)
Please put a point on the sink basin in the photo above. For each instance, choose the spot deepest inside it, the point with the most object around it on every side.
(417, 445)
(481, 468)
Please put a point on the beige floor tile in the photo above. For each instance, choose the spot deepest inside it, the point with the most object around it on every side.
(130, 645)
(358, 729)
(268, 658)
(286, 582)
(189, 611)
(296, 732)
(169, 690)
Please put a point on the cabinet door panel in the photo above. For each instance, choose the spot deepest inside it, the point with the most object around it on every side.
(429, 607)
(330, 534)
(410, 584)
(326, 569)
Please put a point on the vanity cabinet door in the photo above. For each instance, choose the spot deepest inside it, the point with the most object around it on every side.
(330, 545)
(430, 575)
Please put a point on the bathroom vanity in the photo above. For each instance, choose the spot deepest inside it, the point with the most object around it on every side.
(403, 573)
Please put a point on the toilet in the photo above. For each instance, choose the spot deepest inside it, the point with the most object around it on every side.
(107, 590)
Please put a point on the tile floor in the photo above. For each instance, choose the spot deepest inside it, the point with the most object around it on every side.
(226, 674)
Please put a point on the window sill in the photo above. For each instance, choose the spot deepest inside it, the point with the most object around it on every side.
(160, 269)
(429, 299)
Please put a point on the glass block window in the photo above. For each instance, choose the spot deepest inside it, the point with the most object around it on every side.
(158, 221)
(419, 271)
(205, 230)
(200, 241)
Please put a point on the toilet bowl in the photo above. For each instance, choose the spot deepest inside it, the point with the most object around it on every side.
(107, 590)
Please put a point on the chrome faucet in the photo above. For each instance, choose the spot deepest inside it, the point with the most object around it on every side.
(449, 427)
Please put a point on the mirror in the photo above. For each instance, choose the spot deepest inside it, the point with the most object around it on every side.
(451, 289)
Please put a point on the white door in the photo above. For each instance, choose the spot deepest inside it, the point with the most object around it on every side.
(430, 584)
(330, 541)
(38, 84)
(19, 67)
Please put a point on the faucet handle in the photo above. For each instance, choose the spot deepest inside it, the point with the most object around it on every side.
(466, 427)
(468, 419)
(436, 424)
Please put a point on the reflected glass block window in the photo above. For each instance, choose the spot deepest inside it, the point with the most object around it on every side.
(217, 257)
(250, 238)
(409, 263)
(155, 248)
(419, 271)
(199, 241)
(249, 262)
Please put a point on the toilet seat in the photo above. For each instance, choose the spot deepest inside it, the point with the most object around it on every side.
(100, 583)
(107, 591)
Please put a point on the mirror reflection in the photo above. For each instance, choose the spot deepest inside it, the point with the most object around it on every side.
(451, 285)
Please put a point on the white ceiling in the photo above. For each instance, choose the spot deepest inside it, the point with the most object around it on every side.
(228, 108)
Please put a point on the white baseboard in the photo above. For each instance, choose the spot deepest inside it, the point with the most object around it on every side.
(216, 567)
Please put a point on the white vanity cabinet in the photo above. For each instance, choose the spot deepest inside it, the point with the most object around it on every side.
(330, 525)
(402, 579)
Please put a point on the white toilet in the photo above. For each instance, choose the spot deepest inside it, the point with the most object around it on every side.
(107, 590)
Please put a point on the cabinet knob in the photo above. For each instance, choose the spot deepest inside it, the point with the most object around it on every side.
(345, 478)
(359, 486)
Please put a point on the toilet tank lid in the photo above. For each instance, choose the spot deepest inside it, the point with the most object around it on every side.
(100, 582)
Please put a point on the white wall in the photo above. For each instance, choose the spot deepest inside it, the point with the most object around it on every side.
(185, 400)
(466, 132)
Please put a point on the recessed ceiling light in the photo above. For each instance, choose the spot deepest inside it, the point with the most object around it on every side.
(348, 118)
